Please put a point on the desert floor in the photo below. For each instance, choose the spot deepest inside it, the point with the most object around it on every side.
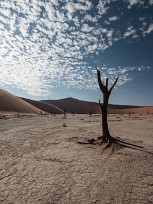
(41, 163)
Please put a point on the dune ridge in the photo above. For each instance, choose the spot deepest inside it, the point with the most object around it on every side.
(12, 103)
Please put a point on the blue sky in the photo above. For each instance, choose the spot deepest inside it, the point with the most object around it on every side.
(49, 49)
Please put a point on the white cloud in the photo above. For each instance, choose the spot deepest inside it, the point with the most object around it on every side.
(42, 43)
(5, 12)
(113, 18)
(150, 28)
(86, 28)
(134, 2)
(151, 2)
(91, 48)
(70, 7)
(89, 18)
(101, 7)
(83, 6)
(55, 2)
(130, 32)
(51, 13)
(110, 34)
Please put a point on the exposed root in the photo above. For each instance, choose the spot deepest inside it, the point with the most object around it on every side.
(90, 141)
(105, 145)
(117, 141)
(124, 143)
(112, 149)
(111, 142)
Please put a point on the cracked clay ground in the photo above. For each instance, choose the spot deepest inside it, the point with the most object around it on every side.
(41, 163)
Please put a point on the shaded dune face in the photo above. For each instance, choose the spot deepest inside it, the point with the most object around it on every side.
(11, 103)
(49, 108)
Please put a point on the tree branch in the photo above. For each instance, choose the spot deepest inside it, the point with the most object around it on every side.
(101, 86)
(107, 82)
(113, 85)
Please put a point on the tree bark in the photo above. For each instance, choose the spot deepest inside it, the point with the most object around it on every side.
(106, 133)
(106, 137)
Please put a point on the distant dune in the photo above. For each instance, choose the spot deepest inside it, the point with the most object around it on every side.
(11, 103)
(72, 105)
(49, 108)
(138, 110)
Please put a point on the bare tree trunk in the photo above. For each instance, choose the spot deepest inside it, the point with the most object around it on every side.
(106, 133)
(106, 93)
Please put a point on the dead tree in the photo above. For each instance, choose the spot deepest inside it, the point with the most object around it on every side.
(106, 93)
(106, 138)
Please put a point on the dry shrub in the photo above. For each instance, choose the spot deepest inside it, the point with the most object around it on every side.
(64, 125)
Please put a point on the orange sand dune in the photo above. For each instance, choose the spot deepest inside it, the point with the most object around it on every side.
(72, 105)
(44, 106)
(11, 103)
(84, 107)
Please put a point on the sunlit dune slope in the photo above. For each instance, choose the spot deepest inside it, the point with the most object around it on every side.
(49, 108)
(12, 103)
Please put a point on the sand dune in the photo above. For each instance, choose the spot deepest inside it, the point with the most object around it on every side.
(49, 108)
(84, 107)
(72, 105)
(11, 103)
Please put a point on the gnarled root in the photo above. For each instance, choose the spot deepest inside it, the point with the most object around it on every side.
(117, 141)
(111, 142)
